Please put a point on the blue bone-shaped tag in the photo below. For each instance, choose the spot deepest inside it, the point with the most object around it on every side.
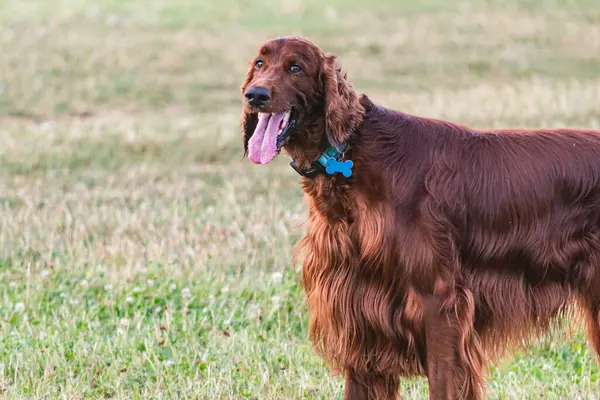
(344, 167)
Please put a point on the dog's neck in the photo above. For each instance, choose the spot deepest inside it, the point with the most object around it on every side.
(316, 156)
(328, 160)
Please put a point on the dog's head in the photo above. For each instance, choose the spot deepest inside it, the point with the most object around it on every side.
(296, 98)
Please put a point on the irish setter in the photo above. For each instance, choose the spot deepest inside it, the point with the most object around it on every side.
(431, 248)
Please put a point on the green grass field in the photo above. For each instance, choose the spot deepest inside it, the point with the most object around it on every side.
(141, 258)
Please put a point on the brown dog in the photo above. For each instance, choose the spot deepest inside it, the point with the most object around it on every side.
(431, 247)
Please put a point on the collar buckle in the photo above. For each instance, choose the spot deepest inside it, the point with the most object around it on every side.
(310, 172)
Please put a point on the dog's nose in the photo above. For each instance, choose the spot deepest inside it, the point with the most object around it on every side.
(257, 96)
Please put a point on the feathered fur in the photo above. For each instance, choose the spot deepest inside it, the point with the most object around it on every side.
(447, 246)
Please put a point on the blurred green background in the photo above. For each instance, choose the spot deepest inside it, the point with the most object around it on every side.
(140, 257)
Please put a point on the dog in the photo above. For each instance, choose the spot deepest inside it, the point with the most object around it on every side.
(431, 248)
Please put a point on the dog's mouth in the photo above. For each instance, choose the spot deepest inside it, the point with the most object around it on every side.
(271, 133)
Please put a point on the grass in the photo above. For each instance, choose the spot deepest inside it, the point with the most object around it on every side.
(141, 258)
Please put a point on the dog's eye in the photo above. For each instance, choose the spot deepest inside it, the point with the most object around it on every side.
(258, 64)
(294, 69)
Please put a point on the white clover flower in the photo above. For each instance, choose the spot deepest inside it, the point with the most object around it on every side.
(276, 277)
(137, 289)
(19, 307)
(184, 123)
(45, 126)
(44, 273)
(150, 282)
(84, 283)
(129, 299)
(108, 287)
(185, 293)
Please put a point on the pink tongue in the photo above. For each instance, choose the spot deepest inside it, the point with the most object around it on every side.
(262, 148)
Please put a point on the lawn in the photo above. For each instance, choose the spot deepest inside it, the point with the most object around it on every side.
(142, 258)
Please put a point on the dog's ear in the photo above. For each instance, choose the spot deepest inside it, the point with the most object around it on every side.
(343, 111)
(248, 125)
(248, 121)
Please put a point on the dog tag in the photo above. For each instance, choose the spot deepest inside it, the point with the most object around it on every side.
(345, 167)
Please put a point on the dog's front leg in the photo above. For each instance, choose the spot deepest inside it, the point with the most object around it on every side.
(371, 387)
(455, 360)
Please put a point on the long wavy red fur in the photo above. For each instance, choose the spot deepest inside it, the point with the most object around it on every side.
(447, 246)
